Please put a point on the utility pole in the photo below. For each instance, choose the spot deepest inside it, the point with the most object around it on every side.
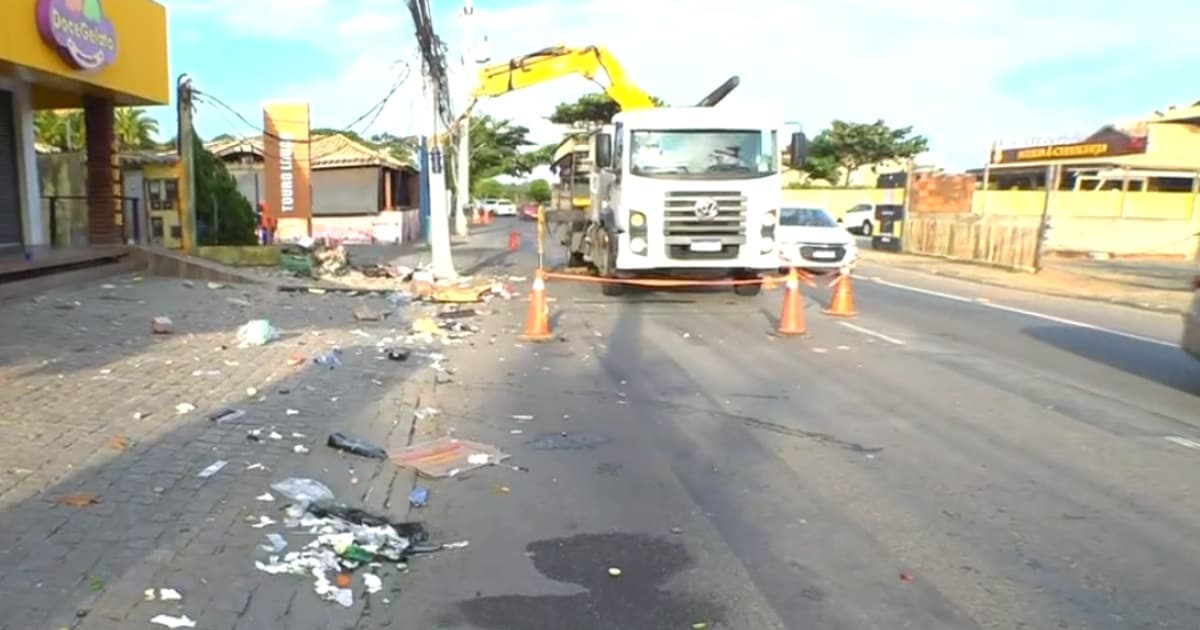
(187, 160)
(439, 218)
(462, 170)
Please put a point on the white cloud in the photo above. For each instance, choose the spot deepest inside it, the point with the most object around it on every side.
(943, 66)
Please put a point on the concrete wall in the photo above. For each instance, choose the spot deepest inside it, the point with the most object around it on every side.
(61, 174)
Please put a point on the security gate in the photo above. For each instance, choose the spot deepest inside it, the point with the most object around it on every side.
(10, 195)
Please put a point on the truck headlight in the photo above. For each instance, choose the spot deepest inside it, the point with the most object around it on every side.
(638, 245)
(637, 220)
(768, 244)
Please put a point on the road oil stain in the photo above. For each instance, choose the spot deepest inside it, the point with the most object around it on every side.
(566, 441)
(635, 600)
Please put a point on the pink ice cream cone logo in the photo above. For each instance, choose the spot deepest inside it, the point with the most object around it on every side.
(79, 31)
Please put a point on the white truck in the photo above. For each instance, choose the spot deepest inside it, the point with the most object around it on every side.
(683, 191)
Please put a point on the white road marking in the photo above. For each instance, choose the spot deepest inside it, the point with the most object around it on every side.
(872, 333)
(1029, 313)
(1182, 441)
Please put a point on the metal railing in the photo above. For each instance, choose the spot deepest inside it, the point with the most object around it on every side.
(67, 216)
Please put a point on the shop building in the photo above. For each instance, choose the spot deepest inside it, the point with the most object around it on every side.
(93, 55)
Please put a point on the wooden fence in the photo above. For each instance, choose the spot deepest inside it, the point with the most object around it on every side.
(1009, 242)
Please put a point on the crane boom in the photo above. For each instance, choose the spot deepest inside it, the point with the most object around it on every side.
(560, 61)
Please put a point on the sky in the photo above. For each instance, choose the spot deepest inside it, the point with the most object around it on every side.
(963, 74)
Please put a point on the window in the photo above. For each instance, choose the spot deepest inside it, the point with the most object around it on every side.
(806, 217)
(618, 152)
(706, 153)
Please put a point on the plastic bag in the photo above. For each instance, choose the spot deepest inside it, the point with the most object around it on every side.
(303, 491)
(256, 332)
(344, 442)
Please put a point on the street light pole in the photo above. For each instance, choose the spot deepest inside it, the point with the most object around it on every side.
(462, 192)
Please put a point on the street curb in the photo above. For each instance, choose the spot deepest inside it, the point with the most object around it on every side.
(1170, 310)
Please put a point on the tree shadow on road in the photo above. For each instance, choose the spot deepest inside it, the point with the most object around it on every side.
(1170, 367)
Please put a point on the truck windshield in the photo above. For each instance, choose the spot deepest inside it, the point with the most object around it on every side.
(704, 153)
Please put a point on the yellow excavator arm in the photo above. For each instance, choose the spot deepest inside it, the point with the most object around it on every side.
(559, 61)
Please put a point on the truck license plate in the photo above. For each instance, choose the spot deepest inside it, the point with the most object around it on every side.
(705, 246)
(824, 253)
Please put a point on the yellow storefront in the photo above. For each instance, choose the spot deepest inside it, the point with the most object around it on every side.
(92, 55)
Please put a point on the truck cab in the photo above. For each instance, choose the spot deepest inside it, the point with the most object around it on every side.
(686, 189)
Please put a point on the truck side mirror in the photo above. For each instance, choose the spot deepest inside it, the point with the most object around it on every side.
(604, 150)
(799, 152)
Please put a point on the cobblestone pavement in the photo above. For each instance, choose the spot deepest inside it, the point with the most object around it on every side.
(88, 401)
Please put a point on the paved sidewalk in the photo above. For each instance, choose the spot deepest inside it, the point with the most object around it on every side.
(88, 402)
(1155, 286)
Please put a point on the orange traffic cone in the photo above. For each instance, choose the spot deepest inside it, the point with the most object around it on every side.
(537, 321)
(842, 304)
(487, 217)
(514, 241)
(791, 318)
(477, 217)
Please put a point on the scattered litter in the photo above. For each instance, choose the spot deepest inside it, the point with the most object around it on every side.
(364, 313)
(263, 521)
(566, 441)
(298, 436)
(303, 491)
(162, 325)
(275, 435)
(907, 577)
(119, 442)
(373, 583)
(184, 407)
(344, 442)
(517, 431)
(522, 418)
(174, 622)
(329, 359)
(501, 489)
(447, 456)
(226, 415)
(614, 571)
(256, 466)
(461, 544)
(212, 469)
(266, 496)
(251, 391)
(300, 449)
(278, 543)
(292, 412)
(396, 354)
(256, 332)
(162, 594)
(418, 497)
(215, 285)
(699, 625)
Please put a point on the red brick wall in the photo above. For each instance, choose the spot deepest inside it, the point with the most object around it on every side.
(941, 194)
(102, 206)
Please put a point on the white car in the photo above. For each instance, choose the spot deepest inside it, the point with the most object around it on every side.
(504, 208)
(860, 219)
(809, 238)
(1191, 319)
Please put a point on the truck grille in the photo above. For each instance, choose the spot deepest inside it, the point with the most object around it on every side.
(682, 226)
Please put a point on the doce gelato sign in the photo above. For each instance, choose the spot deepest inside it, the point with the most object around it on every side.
(79, 31)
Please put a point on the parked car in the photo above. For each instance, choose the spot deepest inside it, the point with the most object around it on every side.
(860, 219)
(809, 238)
(1191, 319)
(504, 208)
(529, 211)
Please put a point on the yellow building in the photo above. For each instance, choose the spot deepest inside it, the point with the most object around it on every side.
(87, 54)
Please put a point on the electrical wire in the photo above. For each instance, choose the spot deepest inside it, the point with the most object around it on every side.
(433, 55)
(373, 112)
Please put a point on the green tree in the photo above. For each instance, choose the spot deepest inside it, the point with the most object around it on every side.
(497, 149)
(489, 189)
(403, 148)
(133, 129)
(849, 145)
(590, 111)
(61, 130)
(539, 191)
(223, 215)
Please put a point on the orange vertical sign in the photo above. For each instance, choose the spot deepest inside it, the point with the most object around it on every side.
(287, 168)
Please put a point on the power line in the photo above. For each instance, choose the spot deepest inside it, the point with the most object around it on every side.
(373, 112)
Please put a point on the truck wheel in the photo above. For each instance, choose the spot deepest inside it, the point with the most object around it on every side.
(747, 290)
(607, 269)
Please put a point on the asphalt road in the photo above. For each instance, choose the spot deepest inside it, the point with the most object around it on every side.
(956, 456)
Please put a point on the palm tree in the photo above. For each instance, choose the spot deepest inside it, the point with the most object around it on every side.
(133, 129)
(62, 130)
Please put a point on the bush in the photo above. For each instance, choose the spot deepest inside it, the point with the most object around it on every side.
(219, 203)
